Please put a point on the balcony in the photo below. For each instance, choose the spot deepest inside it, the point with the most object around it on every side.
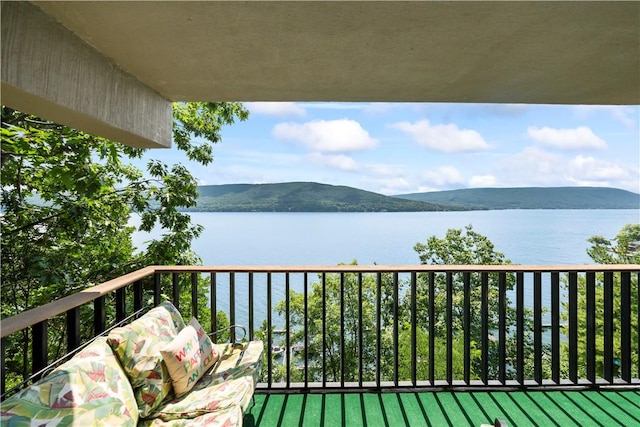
(373, 344)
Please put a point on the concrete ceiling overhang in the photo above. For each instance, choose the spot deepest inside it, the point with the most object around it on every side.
(489, 52)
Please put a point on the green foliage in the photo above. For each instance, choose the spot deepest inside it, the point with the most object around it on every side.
(67, 198)
(347, 299)
(605, 251)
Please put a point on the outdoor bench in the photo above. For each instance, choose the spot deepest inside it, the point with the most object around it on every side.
(155, 371)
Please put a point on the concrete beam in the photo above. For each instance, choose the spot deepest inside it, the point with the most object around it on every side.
(50, 72)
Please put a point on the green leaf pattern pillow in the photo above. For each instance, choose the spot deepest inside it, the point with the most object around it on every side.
(138, 345)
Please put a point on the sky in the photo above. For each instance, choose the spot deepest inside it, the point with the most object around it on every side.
(399, 148)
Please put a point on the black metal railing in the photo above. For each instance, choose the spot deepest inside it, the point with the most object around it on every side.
(378, 327)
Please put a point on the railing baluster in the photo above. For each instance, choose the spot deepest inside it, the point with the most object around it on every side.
(520, 327)
(449, 310)
(213, 301)
(638, 322)
(39, 348)
(378, 327)
(121, 304)
(396, 341)
(138, 292)
(608, 327)
(590, 318)
(484, 309)
(287, 329)
(175, 290)
(432, 327)
(342, 329)
(3, 372)
(625, 326)
(537, 327)
(157, 289)
(194, 294)
(502, 327)
(251, 297)
(73, 329)
(232, 305)
(573, 327)
(466, 278)
(414, 330)
(555, 327)
(324, 329)
(306, 330)
(99, 315)
(360, 326)
(269, 333)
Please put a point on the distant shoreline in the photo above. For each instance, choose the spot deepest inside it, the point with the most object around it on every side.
(316, 197)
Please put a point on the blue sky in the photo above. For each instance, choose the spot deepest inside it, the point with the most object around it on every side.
(395, 148)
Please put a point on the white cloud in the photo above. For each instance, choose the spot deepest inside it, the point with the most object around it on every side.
(482, 181)
(627, 115)
(590, 169)
(446, 138)
(339, 161)
(327, 135)
(442, 176)
(567, 139)
(281, 109)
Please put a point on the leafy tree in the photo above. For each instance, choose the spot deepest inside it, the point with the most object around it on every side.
(622, 249)
(67, 198)
(457, 247)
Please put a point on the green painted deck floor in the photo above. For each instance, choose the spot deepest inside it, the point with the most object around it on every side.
(534, 408)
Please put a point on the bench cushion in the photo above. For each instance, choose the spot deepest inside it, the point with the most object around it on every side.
(138, 345)
(91, 386)
(230, 384)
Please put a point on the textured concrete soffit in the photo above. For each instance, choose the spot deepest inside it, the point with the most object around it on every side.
(80, 88)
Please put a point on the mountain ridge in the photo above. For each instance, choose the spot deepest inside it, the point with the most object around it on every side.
(317, 197)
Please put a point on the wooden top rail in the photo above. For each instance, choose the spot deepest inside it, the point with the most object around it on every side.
(36, 315)
(420, 268)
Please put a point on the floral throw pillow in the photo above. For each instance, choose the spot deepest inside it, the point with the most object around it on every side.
(138, 345)
(188, 357)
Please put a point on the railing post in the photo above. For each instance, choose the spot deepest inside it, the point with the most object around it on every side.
(378, 327)
(73, 329)
(214, 305)
(502, 327)
(484, 310)
(608, 327)
(342, 329)
(306, 326)
(432, 327)
(414, 329)
(3, 374)
(287, 328)
(232, 305)
(39, 349)
(520, 327)
(138, 292)
(175, 290)
(537, 327)
(251, 298)
(157, 289)
(360, 326)
(449, 310)
(99, 315)
(625, 326)
(590, 318)
(573, 327)
(555, 327)
(121, 304)
(269, 333)
(466, 322)
(194, 295)
(396, 331)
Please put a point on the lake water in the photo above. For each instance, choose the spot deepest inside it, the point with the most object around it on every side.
(545, 237)
(524, 236)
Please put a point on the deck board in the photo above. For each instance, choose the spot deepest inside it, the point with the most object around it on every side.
(520, 408)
